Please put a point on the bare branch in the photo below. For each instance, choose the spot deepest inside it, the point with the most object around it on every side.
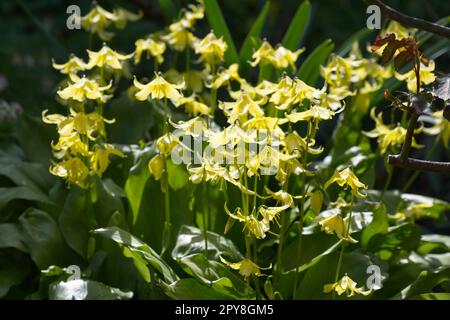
(411, 21)
(420, 165)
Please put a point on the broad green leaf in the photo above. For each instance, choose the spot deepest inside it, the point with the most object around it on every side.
(426, 281)
(191, 241)
(379, 225)
(432, 208)
(22, 193)
(191, 289)
(43, 240)
(432, 296)
(135, 245)
(310, 68)
(298, 25)
(86, 290)
(246, 51)
(178, 176)
(13, 271)
(11, 237)
(218, 24)
(354, 264)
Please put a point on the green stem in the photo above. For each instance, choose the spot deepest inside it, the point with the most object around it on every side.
(390, 171)
(343, 246)
(166, 190)
(302, 209)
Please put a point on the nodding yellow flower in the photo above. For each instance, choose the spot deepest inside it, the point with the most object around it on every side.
(256, 227)
(231, 135)
(83, 88)
(73, 65)
(194, 127)
(294, 144)
(73, 170)
(241, 109)
(100, 157)
(346, 177)
(211, 49)
(441, 127)
(97, 20)
(315, 113)
(192, 106)
(269, 125)
(156, 166)
(91, 125)
(346, 285)
(426, 76)
(106, 57)
(316, 199)
(72, 144)
(396, 28)
(280, 58)
(334, 223)
(159, 89)
(195, 12)
(225, 76)
(166, 143)
(179, 37)
(122, 16)
(152, 47)
(387, 137)
(338, 71)
(246, 267)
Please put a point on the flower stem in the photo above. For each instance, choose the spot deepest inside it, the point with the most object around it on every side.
(343, 246)
(166, 190)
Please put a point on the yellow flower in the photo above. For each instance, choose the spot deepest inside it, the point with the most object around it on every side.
(74, 65)
(338, 72)
(156, 166)
(154, 48)
(426, 76)
(72, 170)
(335, 224)
(166, 143)
(72, 143)
(389, 137)
(106, 57)
(441, 127)
(346, 285)
(192, 106)
(280, 58)
(179, 37)
(91, 125)
(256, 227)
(211, 49)
(100, 157)
(315, 112)
(397, 29)
(240, 109)
(97, 20)
(83, 88)
(225, 76)
(122, 16)
(316, 199)
(246, 267)
(159, 89)
(346, 177)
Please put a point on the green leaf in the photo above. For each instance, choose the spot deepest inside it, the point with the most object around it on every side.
(246, 51)
(43, 240)
(22, 193)
(310, 69)
(191, 241)
(379, 225)
(14, 270)
(11, 237)
(135, 245)
(432, 296)
(298, 25)
(178, 176)
(218, 24)
(191, 289)
(426, 281)
(86, 290)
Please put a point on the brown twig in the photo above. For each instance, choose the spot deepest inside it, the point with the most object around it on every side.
(411, 21)
(420, 165)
